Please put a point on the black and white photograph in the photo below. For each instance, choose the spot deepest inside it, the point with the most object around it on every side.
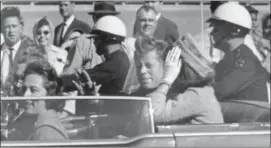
(135, 73)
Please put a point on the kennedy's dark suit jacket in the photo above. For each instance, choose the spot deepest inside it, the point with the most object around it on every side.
(166, 30)
(75, 25)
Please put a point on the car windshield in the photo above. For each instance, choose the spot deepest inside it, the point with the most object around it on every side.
(104, 118)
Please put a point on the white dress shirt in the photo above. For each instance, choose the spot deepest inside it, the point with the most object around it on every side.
(5, 64)
(68, 23)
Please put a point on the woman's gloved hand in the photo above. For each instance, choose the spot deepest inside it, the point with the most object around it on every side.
(173, 65)
(84, 85)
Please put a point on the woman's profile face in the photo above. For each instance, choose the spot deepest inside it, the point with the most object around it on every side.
(33, 86)
(43, 35)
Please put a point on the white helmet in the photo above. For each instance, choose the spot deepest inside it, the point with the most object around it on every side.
(111, 24)
(234, 13)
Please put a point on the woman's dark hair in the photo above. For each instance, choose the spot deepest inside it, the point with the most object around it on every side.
(51, 82)
(145, 44)
(187, 77)
(11, 12)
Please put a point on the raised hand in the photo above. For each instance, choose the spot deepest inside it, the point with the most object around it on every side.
(85, 86)
(173, 65)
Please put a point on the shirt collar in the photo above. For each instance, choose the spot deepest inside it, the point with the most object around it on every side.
(69, 20)
(15, 47)
(158, 16)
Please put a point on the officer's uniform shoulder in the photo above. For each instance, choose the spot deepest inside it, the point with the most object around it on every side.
(244, 57)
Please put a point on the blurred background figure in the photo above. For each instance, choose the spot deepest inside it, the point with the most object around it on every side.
(103, 8)
(15, 43)
(166, 29)
(66, 10)
(145, 21)
(43, 36)
(254, 16)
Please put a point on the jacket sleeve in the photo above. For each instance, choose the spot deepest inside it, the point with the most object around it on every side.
(102, 73)
(84, 56)
(242, 75)
(179, 108)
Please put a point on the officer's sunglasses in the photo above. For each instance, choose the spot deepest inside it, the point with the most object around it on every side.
(43, 32)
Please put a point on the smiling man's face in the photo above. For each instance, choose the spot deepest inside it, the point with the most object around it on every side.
(147, 22)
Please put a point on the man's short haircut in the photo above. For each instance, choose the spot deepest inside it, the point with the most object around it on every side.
(145, 8)
(146, 44)
(11, 12)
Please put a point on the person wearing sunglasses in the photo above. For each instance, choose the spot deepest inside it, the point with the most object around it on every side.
(43, 35)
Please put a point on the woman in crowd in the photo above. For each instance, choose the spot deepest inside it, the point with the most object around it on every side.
(43, 35)
(40, 79)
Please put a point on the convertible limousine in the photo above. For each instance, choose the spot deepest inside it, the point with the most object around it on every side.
(128, 122)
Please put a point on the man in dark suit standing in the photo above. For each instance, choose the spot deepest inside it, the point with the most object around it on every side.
(69, 24)
(166, 29)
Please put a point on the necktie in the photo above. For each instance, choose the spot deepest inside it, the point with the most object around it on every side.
(11, 56)
(5, 66)
(61, 34)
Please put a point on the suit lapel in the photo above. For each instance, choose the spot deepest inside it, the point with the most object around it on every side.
(58, 35)
(69, 29)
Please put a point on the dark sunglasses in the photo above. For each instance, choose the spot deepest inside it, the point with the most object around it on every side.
(44, 32)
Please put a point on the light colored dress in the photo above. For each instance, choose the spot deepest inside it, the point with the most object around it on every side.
(57, 58)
